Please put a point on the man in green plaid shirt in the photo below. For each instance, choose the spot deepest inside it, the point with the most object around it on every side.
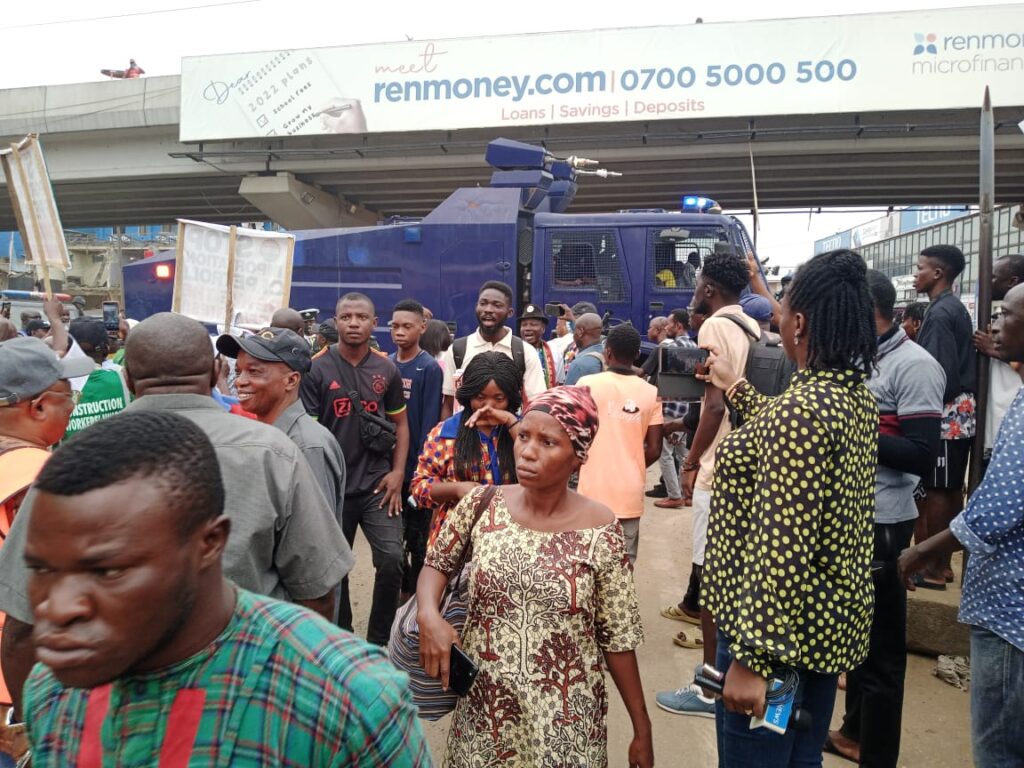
(150, 658)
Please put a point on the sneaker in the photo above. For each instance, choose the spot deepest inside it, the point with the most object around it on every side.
(686, 701)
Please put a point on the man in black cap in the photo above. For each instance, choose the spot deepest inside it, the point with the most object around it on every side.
(105, 391)
(269, 370)
(37, 328)
(533, 324)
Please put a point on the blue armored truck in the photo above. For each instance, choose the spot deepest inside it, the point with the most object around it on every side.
(632, 264)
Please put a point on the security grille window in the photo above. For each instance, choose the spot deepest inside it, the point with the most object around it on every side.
(675, 256)
(588, 261)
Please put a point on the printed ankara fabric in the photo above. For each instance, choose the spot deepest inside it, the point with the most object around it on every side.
(542, 608)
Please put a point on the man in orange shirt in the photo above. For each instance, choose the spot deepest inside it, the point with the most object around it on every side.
(36, 402)
(629, 436)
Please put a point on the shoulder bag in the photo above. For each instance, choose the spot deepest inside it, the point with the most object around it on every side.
(377, 433)
(404, 643)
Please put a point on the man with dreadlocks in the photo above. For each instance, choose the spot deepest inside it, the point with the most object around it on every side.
(790, 540)
(473, 447)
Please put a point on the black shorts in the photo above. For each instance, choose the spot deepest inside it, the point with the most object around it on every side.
(950, 470)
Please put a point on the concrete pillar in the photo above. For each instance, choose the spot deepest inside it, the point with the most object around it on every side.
(293, 204)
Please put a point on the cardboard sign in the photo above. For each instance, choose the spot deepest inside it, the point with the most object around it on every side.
(231, 275)
(28, 184)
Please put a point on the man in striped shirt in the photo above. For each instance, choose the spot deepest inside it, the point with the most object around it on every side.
(150, 657)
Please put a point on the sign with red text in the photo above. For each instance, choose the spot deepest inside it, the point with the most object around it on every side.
(935, 59)
(231, 275)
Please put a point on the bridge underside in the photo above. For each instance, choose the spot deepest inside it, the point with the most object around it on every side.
(143, 175)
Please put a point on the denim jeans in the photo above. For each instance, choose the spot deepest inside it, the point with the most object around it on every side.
(997, 701)
(384, 535)
(740, 747)
(672, 457)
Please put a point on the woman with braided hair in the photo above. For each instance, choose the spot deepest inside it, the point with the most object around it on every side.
(473, 447)
(790, 538)
(550, 605)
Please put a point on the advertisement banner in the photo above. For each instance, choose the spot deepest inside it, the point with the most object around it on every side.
(832, 242)
(921, 216)
(873, 231)
(231, 275)
(936, 59)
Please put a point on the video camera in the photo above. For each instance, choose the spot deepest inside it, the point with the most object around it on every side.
(779, 711)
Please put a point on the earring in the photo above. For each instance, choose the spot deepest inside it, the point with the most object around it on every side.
(796, 339)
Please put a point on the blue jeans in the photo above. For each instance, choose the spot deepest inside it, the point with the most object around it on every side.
(997, 700)
(740, 747)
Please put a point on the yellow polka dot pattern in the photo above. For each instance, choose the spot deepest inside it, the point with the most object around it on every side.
(790, 536)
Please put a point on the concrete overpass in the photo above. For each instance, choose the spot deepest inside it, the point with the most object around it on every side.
(114, 156)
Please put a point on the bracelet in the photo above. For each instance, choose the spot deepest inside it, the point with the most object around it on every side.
(731, 392)
(690, 467)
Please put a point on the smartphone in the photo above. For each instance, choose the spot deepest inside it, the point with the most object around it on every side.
(111, 315)
(554, 310)
(5, 310)
(677, 373)
(462, 672)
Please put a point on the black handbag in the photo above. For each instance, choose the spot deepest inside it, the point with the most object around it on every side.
(377, 433)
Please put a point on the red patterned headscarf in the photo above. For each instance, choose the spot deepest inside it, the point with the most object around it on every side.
(575, 411)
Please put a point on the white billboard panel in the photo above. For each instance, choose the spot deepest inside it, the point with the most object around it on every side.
(938, 59)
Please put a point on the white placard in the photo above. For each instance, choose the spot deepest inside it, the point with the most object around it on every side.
(28, 184)
(257, 265)
(935, 59)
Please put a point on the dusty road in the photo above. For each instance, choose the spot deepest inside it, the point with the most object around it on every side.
(935, 722)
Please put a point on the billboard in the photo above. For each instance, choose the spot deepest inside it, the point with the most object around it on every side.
(832, 242)
(921, 216)
(936, 59)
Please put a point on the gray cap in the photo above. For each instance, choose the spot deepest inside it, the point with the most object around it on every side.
(28, 367)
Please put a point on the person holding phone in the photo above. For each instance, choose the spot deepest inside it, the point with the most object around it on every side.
(551, 603)
(787, 576)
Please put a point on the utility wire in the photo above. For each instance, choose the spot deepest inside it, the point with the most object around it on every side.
(127, 15)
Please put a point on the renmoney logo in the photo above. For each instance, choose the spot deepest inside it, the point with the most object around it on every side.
(924, 43)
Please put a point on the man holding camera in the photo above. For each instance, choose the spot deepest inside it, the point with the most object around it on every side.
(357, 394)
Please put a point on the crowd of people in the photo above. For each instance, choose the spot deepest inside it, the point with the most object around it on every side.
(179, 512)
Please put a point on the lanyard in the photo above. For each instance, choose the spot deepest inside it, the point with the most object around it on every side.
(182, 727)
(492, 450)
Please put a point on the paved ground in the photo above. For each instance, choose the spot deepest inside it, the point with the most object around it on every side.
(935, 723)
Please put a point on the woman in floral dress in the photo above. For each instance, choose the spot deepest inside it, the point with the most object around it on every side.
(551, 603)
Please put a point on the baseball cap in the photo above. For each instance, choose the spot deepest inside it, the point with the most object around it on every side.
(329, 330)
(756, 307)
(271, 345)
(533, 312)
(89, 330)
(37, 325)
(28, 367)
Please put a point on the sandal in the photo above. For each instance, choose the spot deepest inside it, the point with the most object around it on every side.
(922, 583)
(675, 613)
(683, 640)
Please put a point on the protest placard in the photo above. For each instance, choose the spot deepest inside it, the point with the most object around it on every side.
(231, 275)
(35, 209)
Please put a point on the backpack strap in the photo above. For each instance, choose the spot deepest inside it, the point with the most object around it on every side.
(518, 354)
(459, 351)
(741, 324)
(597, 356)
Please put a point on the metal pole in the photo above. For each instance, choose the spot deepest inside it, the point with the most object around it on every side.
(986, 184)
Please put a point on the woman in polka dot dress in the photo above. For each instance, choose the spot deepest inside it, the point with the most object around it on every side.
(790, 534)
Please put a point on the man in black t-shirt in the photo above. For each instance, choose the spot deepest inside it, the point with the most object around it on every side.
(373, 491)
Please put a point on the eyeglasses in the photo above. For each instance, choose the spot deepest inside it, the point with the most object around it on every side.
(74, 395)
